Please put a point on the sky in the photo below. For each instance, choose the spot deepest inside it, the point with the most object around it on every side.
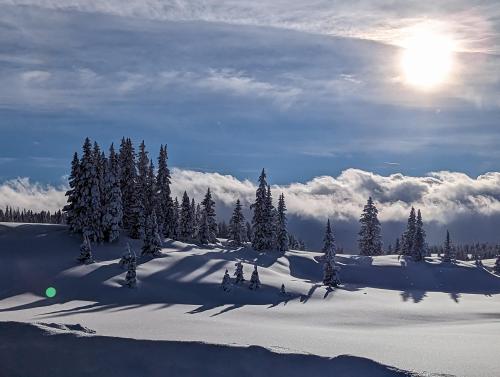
(312, 91)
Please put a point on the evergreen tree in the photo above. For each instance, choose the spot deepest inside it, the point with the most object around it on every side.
(197, 221)
(329, 247)
(419, 249)
(254, 279)
(248, 232)
(237, 230)
(261, 216)
(90, 198)
(85, 252)
(175, 220)
(272, 221)
(409, 234)
(142, 192)
(72, 211)
(226, 282)
(128, 179)
(186, 220)
(165, 205)
(152, 241)
(283, 290)
(208, 226)
(330, 276)
(112, 215)
(126, 258)
(194, 224)
(239, 273)
(370, 242)
(447, 251)
(281, 224)
(131, 277)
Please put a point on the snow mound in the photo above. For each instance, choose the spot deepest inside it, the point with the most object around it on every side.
(67, 354)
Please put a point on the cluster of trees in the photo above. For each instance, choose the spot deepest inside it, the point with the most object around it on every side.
(11, 215)
(123, 191)
(239, 278)
(468, 252)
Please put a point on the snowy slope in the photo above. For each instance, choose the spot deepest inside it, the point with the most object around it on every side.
(418, 317)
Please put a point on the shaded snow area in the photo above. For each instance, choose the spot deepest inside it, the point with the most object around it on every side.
(418, 318)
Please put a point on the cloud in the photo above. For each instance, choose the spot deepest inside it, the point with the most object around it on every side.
(447, 200)
(22, 193)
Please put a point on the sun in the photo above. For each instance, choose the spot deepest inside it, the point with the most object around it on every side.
(427, 59)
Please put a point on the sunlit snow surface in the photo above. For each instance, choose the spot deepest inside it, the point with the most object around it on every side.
(428, 318)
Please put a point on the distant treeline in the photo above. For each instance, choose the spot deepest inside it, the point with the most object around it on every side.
(11, 215)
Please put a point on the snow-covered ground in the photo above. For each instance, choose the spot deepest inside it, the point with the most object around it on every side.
(427, 318)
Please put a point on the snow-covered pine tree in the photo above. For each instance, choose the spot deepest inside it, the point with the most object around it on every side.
(128, 179)
(85, 252)
(112, 216)
(409, 234)
(254, 279)
(237, 228)
(261, 216)
(71, 209)
(197, 221)
(131, 276)
(165, 205)
(239, 273)
(248, 232)
(330, 275)
(100, 162)
(209, 218)
(204, 229)
(90, 198)
(283, 290)
(142, 192)
(329, 246)
(193, 220)
(272, 220)
(126, 258)
(186, 222)
(226, 282)
(447, 250)
(370, 242)
(281, 223)
(175, 220)
(419, 246)
(152, 241)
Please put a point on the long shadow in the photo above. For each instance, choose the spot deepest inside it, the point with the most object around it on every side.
(28, 350)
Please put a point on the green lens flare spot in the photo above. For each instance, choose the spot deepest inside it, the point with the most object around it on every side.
(50, 292)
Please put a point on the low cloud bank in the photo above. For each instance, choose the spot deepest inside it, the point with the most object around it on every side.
(446, 199)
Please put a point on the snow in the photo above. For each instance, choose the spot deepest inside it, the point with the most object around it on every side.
(429, 318)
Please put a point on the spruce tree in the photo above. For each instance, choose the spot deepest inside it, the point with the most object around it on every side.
(329, 247)
(126, 258)
(281, 225)
(226, 282)
(175, 220)
(409, 234)
(85, 252)
(254, 279)
(209, 221)
(261, 216)
(112, 213)
(131, 276)
(370, 242)
(272, 220)
(194, 224)
(152, 241)
(330, 275)
(90, 198)
(142, 193)
(239, 273)
(165, 205)
(71, 210)
(419, 247)
(447, 250)
(128, 178)
(186, 221)
(237, 227)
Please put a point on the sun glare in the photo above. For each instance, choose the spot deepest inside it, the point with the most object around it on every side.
(427, 59)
